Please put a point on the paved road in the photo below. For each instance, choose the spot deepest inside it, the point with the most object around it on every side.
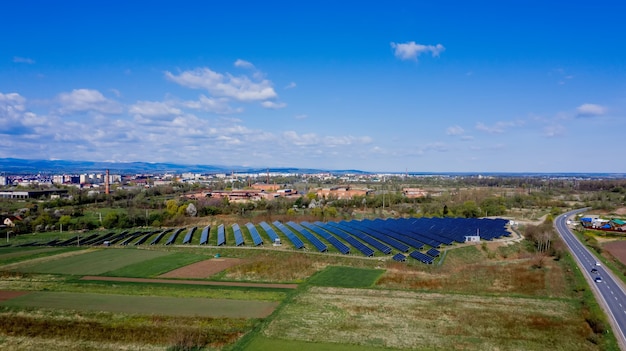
(608, 291)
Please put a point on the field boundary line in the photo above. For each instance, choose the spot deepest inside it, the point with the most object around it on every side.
(189, 282)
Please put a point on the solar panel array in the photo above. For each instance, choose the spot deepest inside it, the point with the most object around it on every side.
(204, 236)
(365, 250)
(422, 237)
(343, 248)
(297, 243)
(238, 236)
(319, 245)
(256, 238)
(189, 235)
(221, 235)
(361, 235)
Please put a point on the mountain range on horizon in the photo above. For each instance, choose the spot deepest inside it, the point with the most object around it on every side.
(28, 166)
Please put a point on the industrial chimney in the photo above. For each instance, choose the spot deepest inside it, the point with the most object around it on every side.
(107, 189)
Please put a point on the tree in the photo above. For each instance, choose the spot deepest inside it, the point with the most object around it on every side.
(65, 220)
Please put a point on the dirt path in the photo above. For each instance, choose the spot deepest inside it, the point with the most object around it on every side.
(191, 282)
(7, 294)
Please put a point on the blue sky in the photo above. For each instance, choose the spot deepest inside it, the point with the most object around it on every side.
(445, 86)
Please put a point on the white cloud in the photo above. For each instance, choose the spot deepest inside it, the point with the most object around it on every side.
(553, 130)
(273, 105)
(498, 127)
(243, 64)
(219, 106)
(290, 85)
(411, 50)
(455, 130)
(301, 116)
(590, 110)
(241, 88)
(87, 100)
(27, 60)
(154, 109)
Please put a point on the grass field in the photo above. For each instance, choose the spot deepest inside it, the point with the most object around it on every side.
(346, 277)
(92, 263)
(157, 265)
(151, 305)
(12, 255)
(273, 344)
(430, 321)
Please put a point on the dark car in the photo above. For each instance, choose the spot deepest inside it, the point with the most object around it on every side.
(593, 270)
(598, 279)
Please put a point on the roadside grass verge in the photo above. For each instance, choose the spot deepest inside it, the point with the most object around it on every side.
(346, 277)
(53, 327)
(92, 263)
(157, 265)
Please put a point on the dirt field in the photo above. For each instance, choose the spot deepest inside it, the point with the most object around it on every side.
(617, 249)
(203, 269)
(7, 295)
(192, 282)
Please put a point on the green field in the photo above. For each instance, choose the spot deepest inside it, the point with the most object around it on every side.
(92, 263)
(144, 305)
(158, 265)
(262, 343)
(346, 277)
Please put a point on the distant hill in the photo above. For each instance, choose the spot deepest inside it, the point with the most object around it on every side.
(23, 166)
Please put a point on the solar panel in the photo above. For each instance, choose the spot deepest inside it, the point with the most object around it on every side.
(421, 257)
(173, 237)
(399, 257)
(433, 252)
(238, 236)
(270, 232)
(256, 238)
(204, 236)
(221, 235)
(189, 235)
(159, 237)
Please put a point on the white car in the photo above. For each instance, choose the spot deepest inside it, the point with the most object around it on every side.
(598, 279)
(598, 264)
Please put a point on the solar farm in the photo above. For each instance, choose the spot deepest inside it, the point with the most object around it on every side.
(421, 239)
(286, 285)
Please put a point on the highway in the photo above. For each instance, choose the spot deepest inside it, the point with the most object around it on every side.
(609, 291)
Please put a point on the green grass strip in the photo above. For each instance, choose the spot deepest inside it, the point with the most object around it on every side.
(144, 305)
(158, 265)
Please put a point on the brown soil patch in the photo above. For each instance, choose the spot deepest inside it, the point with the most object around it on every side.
(620, 211)
(617, 249)
(191, 282)
(203, 269)
(7, 295)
